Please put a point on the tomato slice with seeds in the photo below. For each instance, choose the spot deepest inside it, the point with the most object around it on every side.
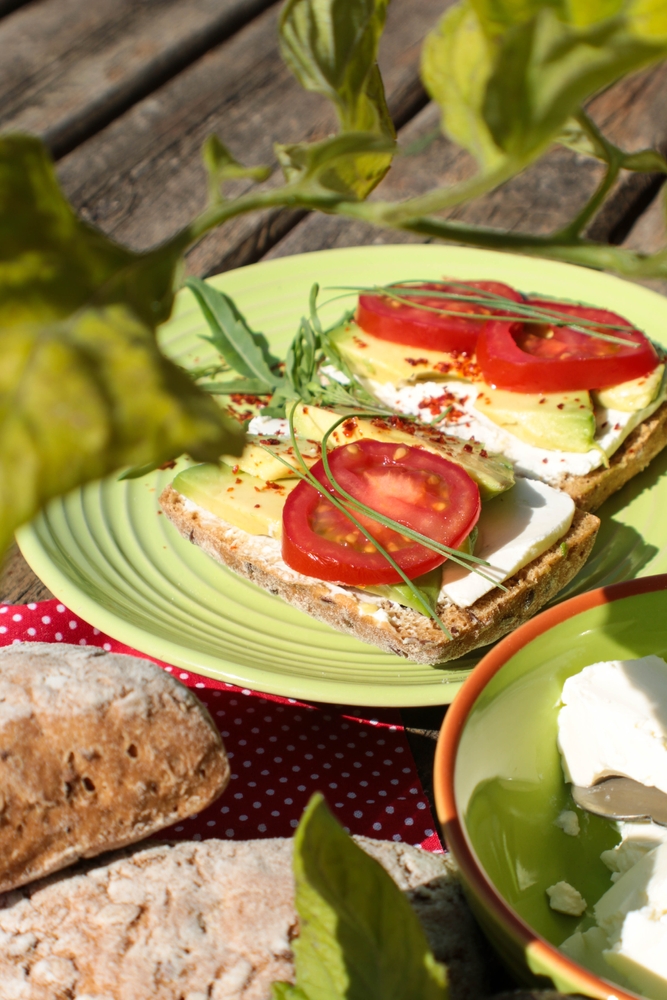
(418, 489)
(401, 323)
(527, 357)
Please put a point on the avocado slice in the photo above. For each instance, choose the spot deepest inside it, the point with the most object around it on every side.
(370, 357)
(492, 473)
(255, 460)
(637, 394)
(557, 421)
(245, 501)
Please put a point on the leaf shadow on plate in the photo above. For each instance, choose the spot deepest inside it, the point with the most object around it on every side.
(622, 551)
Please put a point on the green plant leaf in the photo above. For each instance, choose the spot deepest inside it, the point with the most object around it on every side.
(331, 47)
(457, 61)
(243, 350)
(340, 167)
(359, 938)
(222, 166)
(544, 69)
(84, 396)
(84, 389)
(285, 991)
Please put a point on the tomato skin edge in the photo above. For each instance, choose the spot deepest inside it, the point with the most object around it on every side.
(505, 365)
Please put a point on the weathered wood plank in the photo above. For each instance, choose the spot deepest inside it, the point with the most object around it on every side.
(70, 67)
(18, 583)
(141, 179)
(7, 6)
(633, 114)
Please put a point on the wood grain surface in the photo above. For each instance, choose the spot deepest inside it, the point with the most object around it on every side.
(141, 178)
(69, 67)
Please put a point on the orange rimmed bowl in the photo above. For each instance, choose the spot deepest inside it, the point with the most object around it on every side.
(499, 784)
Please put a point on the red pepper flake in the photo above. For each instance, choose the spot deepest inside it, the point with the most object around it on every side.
(359, 342)
(168, 465)
(543, 400)
(230, 489)
(238, 481)
(561, 406)
(235, 469)
(350, 426)
(416, 361)
(545, 460)
(467, 448)
(272, 486)
(273, 441)
(257, 504)
(617, 427)
(241, 398)
(484, 453)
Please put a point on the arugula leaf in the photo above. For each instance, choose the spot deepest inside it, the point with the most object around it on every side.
(84, 389)
(244, 351)
(285, 991)
(331, 47)
(222, 166)
(359, 937)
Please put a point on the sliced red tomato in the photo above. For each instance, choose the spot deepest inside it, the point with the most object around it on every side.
(388, 319)
(414, 487)
(525, 357)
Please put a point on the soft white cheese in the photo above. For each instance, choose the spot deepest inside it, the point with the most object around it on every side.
(269, 426)
(568, 822)
(564, 898)
(514, 528)
(614, 721)
(465, 421)
(633, 915)
(637, 839)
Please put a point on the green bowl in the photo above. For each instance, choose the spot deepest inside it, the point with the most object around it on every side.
(499, 784)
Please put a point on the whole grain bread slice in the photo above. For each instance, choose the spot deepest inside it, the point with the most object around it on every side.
(637, 451)
(403, 631)
(212, 919)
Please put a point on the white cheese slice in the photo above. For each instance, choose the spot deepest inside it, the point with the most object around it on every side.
(637, 839)
(514, 528)
(614, 721)
(564, 898)
(633, 915)
(428, 400)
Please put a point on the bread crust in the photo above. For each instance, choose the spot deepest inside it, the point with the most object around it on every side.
(212, 919)
(405, 632)
(637, 451)
(97, 750)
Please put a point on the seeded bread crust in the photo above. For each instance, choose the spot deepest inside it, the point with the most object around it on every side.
(638, 449)
(214, 920)
(406, 633)
(97, 750)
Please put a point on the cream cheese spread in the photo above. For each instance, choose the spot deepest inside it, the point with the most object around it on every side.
(424, 400)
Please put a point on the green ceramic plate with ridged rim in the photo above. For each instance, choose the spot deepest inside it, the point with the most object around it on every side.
(107, 554)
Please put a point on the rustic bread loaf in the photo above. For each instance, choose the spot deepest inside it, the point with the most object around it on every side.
(201, 920)
(404, 632)
(97, 750)
(639, 449)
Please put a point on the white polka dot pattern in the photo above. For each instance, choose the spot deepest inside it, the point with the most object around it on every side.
(280, 751)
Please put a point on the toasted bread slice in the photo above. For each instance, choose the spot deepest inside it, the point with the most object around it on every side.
(639, 448)
(403, 631)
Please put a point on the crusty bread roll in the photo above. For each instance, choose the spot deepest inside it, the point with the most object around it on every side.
(404, 632)
(201, 920)
(97, 750)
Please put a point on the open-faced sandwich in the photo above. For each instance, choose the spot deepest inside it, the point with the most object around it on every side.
(572, 395)
(381, 525)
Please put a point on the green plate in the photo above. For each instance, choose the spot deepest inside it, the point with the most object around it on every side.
(105, 552)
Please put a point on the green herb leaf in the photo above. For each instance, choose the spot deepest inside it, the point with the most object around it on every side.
(84, 389)
(457, 61)
(222, 166)
(285, 991)
(545, 69)
(359, 937)
(344, 165)
(84, 396)
(248, 386)
(331, 47)
(244, 351)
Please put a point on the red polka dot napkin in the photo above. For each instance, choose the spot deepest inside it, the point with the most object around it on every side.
(281, 751)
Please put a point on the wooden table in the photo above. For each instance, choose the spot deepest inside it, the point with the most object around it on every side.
(125, 91)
